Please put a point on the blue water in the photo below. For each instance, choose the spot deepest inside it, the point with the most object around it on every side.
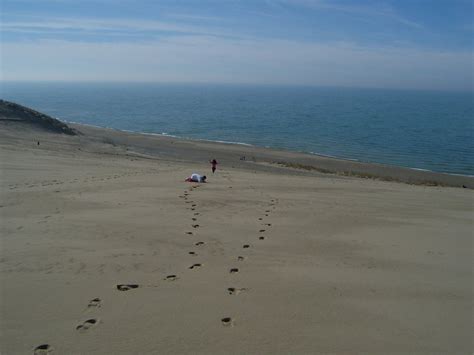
(424, 130)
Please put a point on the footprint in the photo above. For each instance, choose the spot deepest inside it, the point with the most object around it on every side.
(42, 349)
(268, 224)
(192, 253)
(235, 291)
(194, 219)
(96, 302)
(196, 213)
(246, 246)
(192, 209)
(87, 324)
(260, 219)
(190, 233)
(227, 321)
(262, 230)
(199, 243)
(261, 237)
(234, 270)
(195, 266)
(126, 287)
(240, 258)
(195, 225)
(171, 278)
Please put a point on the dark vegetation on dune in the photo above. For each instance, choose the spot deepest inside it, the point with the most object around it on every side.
(13, 112)
(364, 175)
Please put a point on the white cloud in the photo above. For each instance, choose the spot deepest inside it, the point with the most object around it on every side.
(211, 59)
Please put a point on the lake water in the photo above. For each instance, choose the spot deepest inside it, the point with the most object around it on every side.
(417, 129)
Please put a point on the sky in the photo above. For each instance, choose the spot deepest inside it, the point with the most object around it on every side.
(402, 44)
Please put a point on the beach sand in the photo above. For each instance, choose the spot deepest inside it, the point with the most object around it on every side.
(334, 264)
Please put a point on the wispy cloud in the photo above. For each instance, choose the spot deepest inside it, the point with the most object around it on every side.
(186, 16)
(91, 24)
(377, 10)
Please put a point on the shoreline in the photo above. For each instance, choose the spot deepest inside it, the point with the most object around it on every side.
(162, 145)
(309, 153)
(305, 161)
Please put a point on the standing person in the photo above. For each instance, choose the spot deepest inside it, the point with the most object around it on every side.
(213, 164)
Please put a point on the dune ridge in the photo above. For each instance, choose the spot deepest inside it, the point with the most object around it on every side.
(10, 111)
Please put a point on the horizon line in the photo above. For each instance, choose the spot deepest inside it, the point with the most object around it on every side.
(154, 82)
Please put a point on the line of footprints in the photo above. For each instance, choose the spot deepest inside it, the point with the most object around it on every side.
(44, 183)
(226, 321)
(44, 349)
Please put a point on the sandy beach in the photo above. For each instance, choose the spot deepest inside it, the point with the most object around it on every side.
(106, 250)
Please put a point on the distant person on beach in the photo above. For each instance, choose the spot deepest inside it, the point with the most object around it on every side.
(196, 178)
(213, 164)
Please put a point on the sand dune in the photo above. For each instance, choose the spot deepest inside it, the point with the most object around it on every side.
(21, 116)
(106, 250)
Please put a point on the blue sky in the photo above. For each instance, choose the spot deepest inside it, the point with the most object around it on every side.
(420, 44)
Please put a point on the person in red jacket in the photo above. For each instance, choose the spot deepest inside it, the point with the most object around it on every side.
(213, 164)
